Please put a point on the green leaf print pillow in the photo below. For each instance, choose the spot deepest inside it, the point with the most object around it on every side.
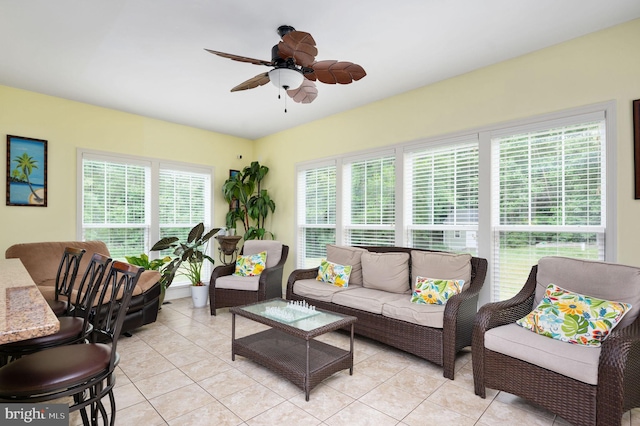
(574, 318)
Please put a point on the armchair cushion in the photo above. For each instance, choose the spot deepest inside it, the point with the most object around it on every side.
(586, 277)
(314, 289)
(576, 361)
(250, 265)
(236, 282)
(574, 318)
(273, 249)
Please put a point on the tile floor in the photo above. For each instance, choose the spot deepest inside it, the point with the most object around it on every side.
(178, 371)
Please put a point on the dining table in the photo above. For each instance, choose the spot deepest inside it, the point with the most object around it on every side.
(24, 312)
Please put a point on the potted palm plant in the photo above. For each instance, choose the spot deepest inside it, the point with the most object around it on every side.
(154, 265)
(189, 258)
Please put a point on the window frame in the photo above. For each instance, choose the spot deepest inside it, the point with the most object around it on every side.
(155, 166)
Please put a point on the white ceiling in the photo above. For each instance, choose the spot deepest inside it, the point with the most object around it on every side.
(146, 56)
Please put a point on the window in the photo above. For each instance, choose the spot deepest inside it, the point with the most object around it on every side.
(549, 198)
(369, 200)
(441, 189)
(508, 193)
(130, 203)
(316, 213)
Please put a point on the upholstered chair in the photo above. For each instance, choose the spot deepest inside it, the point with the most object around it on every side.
(227, 289)
(584, 384)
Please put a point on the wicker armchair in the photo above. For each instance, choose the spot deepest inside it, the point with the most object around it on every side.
(226, 290)
(583, 385)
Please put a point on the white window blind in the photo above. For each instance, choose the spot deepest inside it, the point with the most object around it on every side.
(115, 205)
(441, 193)
(130, 203)
(549, 199)
(369, 201)
(316, 209)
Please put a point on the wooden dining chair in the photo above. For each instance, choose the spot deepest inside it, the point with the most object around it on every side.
(85, 371)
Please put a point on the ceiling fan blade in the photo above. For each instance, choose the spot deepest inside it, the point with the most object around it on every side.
(332, 72)
(258, 80)
(298, 45)
(304, 94)
(241, 58)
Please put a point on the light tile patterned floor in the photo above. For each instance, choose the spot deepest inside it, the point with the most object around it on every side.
(178, 371)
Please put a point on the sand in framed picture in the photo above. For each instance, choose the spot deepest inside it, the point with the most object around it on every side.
(26, 171)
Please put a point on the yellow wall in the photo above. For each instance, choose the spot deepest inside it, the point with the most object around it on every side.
(68, 125)
(599, 67)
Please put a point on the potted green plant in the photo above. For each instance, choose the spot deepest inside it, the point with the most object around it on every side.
(253, 202)
(189, 258)
(154, 265)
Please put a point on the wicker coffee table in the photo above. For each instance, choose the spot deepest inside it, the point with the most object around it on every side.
(288, 347)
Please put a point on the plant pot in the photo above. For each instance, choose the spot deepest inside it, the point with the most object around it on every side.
(228, 243)
(200, 295)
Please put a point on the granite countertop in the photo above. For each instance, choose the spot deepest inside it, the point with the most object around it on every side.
(24, 312)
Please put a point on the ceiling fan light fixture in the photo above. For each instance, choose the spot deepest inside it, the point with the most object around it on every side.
(286, 78)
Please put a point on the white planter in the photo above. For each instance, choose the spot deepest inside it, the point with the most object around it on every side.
(200, 295)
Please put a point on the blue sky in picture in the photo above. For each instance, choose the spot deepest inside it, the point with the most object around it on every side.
(35, 150)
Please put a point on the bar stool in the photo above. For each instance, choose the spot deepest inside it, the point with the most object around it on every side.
(85, 371)
(65, 280)
(74, 328)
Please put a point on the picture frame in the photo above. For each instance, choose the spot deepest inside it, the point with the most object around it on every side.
(636, 146)
(234, 204)
(26, 171)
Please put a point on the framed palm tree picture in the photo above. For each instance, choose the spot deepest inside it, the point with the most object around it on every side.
(26, 171)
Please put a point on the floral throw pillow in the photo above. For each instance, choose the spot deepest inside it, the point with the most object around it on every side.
(334, 273)
(251, 265)
(435, 291)
(574, 318)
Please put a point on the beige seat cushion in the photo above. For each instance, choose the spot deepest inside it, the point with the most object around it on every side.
(446, 266)
(314, 289)
(421, 314)
(273, 249)
(235, 282)
(608, 281)
(365, 299)
(346, 255)
(386, 271)
(576, 361)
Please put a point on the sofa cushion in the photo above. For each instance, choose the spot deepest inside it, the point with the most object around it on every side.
(576, 361)
(251, 264)
(386, 271)
(603, 280)
(446, 266)
(235, 282)
(365, 299)
(421, 314)
(314, 289)
(346, 255)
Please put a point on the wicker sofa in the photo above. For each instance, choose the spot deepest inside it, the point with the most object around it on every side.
(433, 332)
(43, 258)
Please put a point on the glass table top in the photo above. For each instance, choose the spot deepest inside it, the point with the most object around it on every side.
(295, 314)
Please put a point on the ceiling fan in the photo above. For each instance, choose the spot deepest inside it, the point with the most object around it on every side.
(295, 67)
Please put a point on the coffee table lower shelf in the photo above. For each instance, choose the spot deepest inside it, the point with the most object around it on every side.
(305, 363)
